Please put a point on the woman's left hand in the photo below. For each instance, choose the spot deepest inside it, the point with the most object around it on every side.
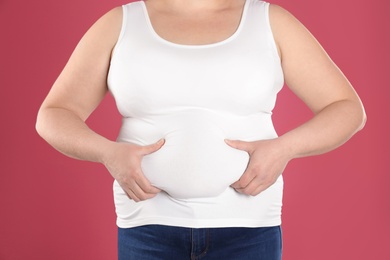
(267, 160)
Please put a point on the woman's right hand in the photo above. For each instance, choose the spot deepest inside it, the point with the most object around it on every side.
(124, 164)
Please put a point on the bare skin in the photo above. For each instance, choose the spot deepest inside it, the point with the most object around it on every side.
(308, 71)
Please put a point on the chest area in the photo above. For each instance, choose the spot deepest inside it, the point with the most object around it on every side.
(153, 80)
(198, 27)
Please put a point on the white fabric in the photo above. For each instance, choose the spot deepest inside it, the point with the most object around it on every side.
(195, 96)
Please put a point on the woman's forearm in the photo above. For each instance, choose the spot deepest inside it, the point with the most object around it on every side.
(70, 135)
(327, 130)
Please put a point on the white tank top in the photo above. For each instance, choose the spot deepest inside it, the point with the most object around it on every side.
(195, 96)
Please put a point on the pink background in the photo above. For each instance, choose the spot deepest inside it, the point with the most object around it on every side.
(336, 206)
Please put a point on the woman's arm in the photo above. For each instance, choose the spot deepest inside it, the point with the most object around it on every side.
(76, 93)
(316, 80)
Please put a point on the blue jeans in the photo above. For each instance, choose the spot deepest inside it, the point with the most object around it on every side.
(157, 242)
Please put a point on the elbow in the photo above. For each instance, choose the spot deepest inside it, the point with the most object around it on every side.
(363, 120)
(39, 124)
(362, 117)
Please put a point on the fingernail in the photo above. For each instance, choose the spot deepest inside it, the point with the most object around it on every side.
(160, 141)
(227, 141)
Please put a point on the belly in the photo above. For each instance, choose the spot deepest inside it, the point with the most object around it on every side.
(195, 161)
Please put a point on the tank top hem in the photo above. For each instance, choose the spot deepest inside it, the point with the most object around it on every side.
(199, 223)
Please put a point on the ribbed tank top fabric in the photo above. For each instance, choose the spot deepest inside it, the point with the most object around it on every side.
(195, 96)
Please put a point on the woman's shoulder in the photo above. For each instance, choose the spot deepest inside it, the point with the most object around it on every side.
(286, 28)
(281, 18)
(106, 29)
(111, 18)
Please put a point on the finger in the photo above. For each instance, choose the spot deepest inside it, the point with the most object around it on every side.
(146, 187)
(148, 149)
(144, 184)
(253, 188)
(131, 194)
(256, 186)
(139, 193)
(126, 188)
(245, 179)
(240, 145)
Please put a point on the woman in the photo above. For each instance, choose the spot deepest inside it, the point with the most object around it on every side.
(197, 164)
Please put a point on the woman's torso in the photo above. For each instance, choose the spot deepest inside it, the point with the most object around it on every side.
(195, 96)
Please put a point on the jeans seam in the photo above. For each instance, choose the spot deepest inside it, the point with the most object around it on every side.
(193, 256)
(205, 250)
(207, 244)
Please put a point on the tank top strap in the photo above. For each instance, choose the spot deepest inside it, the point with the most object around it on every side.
(257, 26)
